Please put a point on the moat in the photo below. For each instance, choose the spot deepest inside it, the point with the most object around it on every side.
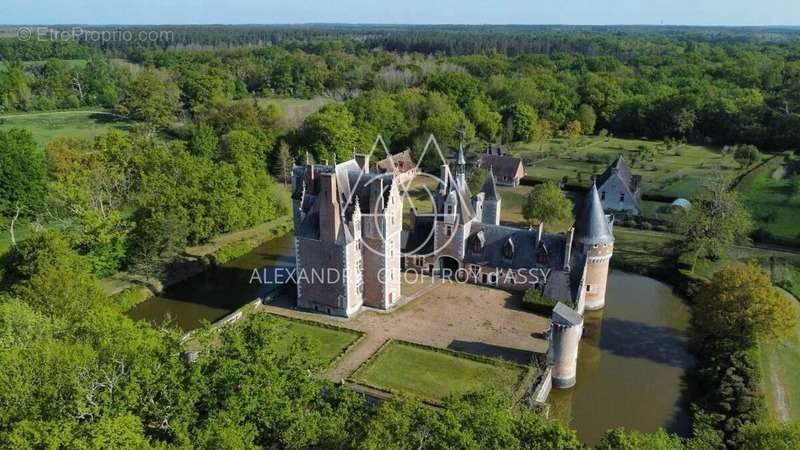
(633, 356)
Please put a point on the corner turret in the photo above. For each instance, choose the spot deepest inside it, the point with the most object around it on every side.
(491, 201)
(594, 240)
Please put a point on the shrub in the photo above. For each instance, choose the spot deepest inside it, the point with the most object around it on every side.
(535, 300)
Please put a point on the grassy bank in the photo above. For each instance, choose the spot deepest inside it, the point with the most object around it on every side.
(771, 202)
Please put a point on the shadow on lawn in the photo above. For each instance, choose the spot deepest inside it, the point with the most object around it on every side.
(492, 351)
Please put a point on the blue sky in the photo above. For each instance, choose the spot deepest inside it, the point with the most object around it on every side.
(580, 12)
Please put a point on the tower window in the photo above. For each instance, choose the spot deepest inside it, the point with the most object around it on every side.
(588, 288)
(448, 230)
(603, 195)
(622, 197)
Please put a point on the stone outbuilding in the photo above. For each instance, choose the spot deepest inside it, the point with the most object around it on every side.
(620, 190)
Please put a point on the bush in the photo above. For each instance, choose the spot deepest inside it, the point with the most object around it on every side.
(536, 301)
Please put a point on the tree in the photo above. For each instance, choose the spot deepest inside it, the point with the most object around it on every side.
(716, 221)
(574, 129)
(587, 118)
(746, 155)
(621, 439)
(23, 176)
(740, 303)
(203, 140)
(329, 131)
(546, 203)
(487, 121)
(282, 169)
(378, 111)
(544, 132)
(771, 436)
(523, 120)
(151, 97)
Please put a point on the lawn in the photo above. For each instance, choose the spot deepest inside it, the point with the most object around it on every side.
(331, 341)
(780, 372)
(678, 172)
(50, 125)
(770, 201)
(435, 374)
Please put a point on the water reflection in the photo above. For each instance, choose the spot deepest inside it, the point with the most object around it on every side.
(213, 294)
(632, 363)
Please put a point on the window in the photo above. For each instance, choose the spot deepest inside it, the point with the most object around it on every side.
(622, 197)
(449, 210)
(508, 249)
(448, 230)
(588, 288)
(603, 195)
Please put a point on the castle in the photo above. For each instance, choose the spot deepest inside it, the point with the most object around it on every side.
(349, 218)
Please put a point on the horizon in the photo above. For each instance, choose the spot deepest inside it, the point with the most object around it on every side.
(689, 13)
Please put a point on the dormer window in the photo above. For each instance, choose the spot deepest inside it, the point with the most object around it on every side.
(508, 249)
(477, 242)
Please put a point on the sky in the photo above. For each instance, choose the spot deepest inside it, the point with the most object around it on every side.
(567, 12)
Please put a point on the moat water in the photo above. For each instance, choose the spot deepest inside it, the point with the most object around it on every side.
(631, 364)
(632, 361)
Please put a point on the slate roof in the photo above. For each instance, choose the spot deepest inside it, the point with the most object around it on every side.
(592, 226)
(619, 168)
(490, 187)
(502, 166)
(566, 316)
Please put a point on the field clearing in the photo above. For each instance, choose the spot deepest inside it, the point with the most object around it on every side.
(434, 374)
(677, 172)
(771, 202)
(331, 342)
(47, 126)
(295, 110)
(780, 369)
(72, 63)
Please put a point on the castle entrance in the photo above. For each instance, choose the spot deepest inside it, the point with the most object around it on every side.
(448, 267)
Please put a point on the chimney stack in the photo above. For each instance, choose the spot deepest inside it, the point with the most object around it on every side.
(363, 161)
(329, 219)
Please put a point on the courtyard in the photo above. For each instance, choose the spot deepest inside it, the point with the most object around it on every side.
(461, 319)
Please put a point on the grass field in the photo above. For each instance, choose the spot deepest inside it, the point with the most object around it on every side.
(434, 375)
(677, 172)
(780, 369)
(295, 110)
(47, 126)
(771, 202)
(331, 342)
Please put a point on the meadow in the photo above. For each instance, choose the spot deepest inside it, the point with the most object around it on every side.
(50, 125)
(768, 196)
(329, 341)
(677, 170)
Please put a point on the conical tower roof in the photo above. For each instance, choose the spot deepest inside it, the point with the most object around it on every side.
(490, 187)
(460, 160)
(592, 226)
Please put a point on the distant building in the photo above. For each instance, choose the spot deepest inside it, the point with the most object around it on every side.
(620, 190)
(399, 162)
(508, 170)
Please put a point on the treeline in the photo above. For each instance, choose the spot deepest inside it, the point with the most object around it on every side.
(712, 87)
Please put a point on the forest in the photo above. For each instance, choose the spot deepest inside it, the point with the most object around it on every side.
(206, 150)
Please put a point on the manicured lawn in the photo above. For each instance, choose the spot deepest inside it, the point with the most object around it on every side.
(678, 172)
(771, 202)
(434, 375)
(331, 341)
(50, 125)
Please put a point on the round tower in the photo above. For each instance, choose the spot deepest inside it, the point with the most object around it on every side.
(595, 242)
(565, 337)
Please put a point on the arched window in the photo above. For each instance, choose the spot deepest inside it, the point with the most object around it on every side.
(508, 249)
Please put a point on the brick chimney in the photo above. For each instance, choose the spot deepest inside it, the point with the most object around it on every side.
(330, 221)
